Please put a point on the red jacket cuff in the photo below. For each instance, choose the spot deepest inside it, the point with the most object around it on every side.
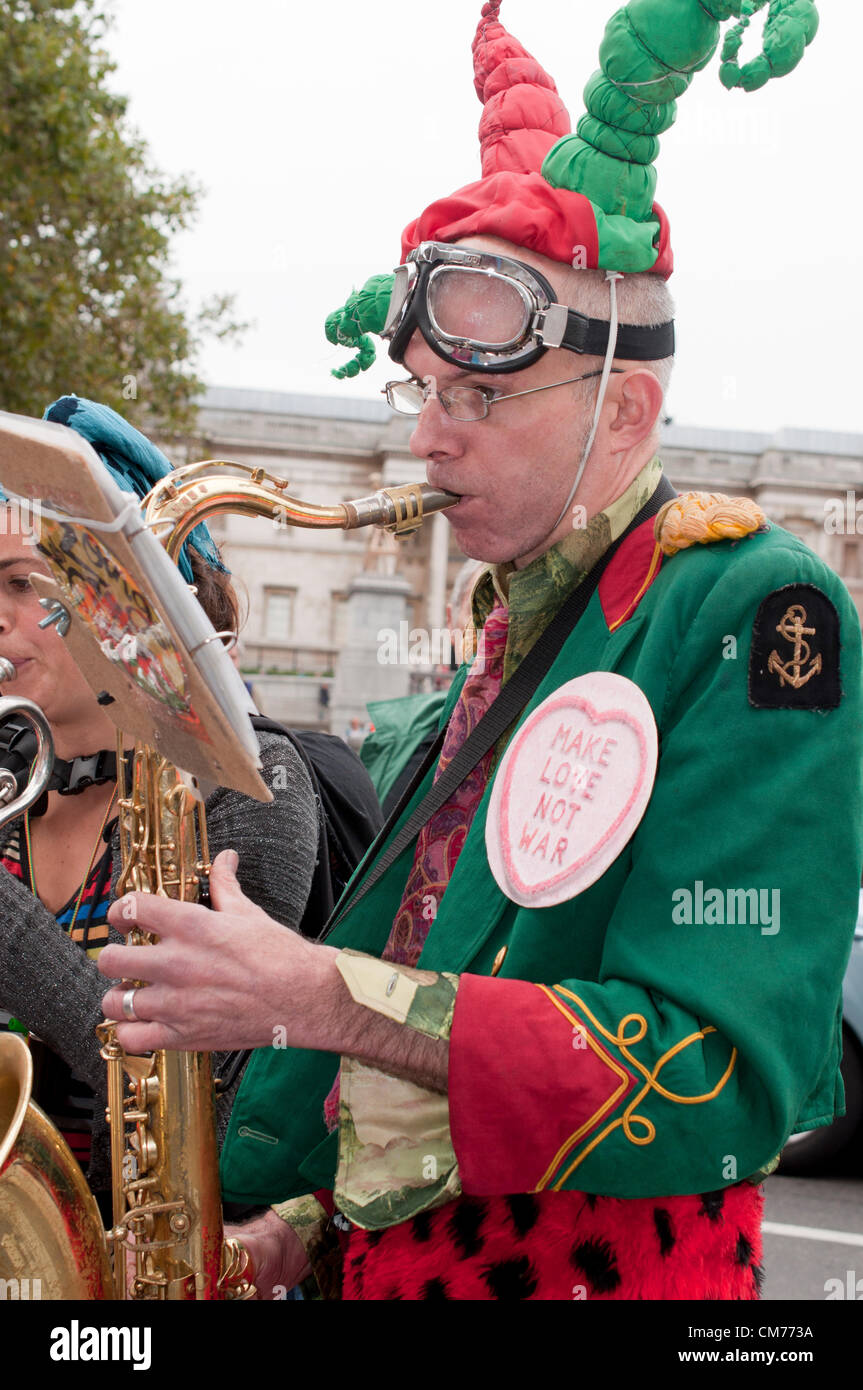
(529, 1081)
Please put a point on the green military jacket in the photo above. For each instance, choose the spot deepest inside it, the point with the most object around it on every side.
(640, 1038)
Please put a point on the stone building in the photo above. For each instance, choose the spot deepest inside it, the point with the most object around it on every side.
(318, 600)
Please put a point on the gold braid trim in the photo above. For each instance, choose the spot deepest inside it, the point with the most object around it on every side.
(697, 518)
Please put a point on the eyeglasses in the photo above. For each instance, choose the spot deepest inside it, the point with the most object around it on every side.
(467, 403)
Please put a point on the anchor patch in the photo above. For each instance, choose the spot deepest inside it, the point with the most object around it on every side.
(794, 658)
(792, 628)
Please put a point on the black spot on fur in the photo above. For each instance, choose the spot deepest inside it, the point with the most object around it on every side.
(464, 1226)
(590, 1198)
(524, 1211)
(372, 1237)
(356, 1265)
(757, 1278)
(435, 1290)
(743, 1253)
(662, 1221)
(421, 1226)
(596, 1260)
(712, 1204)
(511, 1278)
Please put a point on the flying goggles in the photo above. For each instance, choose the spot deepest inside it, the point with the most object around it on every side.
(496, 314)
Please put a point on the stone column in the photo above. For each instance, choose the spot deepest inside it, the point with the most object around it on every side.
(438, 557)
(376, 603)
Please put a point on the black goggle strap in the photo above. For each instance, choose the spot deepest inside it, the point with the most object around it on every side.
(589, 336)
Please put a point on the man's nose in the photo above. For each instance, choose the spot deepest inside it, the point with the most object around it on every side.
(433, 433)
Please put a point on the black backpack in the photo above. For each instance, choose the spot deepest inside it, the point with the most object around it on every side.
(349, 814)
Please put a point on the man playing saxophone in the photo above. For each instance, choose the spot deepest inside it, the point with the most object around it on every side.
(556, 1079)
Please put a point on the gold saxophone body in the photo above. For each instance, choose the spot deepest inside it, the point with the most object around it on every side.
(167, 1240)
(164, 1155)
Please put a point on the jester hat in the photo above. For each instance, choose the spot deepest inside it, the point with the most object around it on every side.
(584, 198)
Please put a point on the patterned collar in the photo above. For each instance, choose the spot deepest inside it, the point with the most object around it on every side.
(535, 593)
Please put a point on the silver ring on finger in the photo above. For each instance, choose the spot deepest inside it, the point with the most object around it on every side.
(128, 1005)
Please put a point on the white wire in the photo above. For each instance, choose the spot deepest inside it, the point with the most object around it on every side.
(611, 276)
(131, 508)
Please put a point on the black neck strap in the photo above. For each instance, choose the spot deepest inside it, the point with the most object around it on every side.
(18, 748)
(502, 713)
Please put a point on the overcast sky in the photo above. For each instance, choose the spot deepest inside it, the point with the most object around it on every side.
(319, 131)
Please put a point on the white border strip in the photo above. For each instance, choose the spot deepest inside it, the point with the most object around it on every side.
(777, 1228)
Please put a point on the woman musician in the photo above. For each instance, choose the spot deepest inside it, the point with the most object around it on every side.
(61, 858)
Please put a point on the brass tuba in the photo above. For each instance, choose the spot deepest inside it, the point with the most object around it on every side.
(164, 1156)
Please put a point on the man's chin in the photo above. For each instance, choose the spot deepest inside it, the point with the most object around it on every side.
(479, 542)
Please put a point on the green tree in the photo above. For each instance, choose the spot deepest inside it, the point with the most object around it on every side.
(87, 302)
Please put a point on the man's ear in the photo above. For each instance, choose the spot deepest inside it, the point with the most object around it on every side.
(639, 403)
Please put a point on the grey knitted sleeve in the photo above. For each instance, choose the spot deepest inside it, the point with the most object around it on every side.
(48, 982)
(55, 989)
(277, 843)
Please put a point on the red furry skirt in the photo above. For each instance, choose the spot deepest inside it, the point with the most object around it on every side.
(566, 1245)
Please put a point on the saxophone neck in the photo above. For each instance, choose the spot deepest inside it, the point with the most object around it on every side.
(199, 491)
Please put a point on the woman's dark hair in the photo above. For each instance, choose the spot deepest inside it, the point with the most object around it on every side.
(216, 594)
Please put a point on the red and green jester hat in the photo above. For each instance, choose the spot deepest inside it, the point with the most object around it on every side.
(584, 198)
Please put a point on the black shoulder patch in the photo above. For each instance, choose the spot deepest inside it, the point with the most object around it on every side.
(794, 658)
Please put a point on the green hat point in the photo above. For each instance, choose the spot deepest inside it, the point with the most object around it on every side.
(790, 28)
(649, 54)
(365, 312)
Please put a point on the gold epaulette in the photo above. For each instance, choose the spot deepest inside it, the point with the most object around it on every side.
(697, 518)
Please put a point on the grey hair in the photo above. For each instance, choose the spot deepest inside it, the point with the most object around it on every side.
(644, 300)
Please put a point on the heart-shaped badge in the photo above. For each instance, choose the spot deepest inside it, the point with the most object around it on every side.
(571, 789)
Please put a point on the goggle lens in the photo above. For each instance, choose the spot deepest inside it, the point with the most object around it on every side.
(477, 307)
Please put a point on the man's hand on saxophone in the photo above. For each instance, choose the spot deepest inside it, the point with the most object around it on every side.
(278, 1256)
(233, 978)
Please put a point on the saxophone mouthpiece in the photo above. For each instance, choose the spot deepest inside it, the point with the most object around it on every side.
(7, 670)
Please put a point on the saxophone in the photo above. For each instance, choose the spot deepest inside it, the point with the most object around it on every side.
(164, 1154)
(167, 1241)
